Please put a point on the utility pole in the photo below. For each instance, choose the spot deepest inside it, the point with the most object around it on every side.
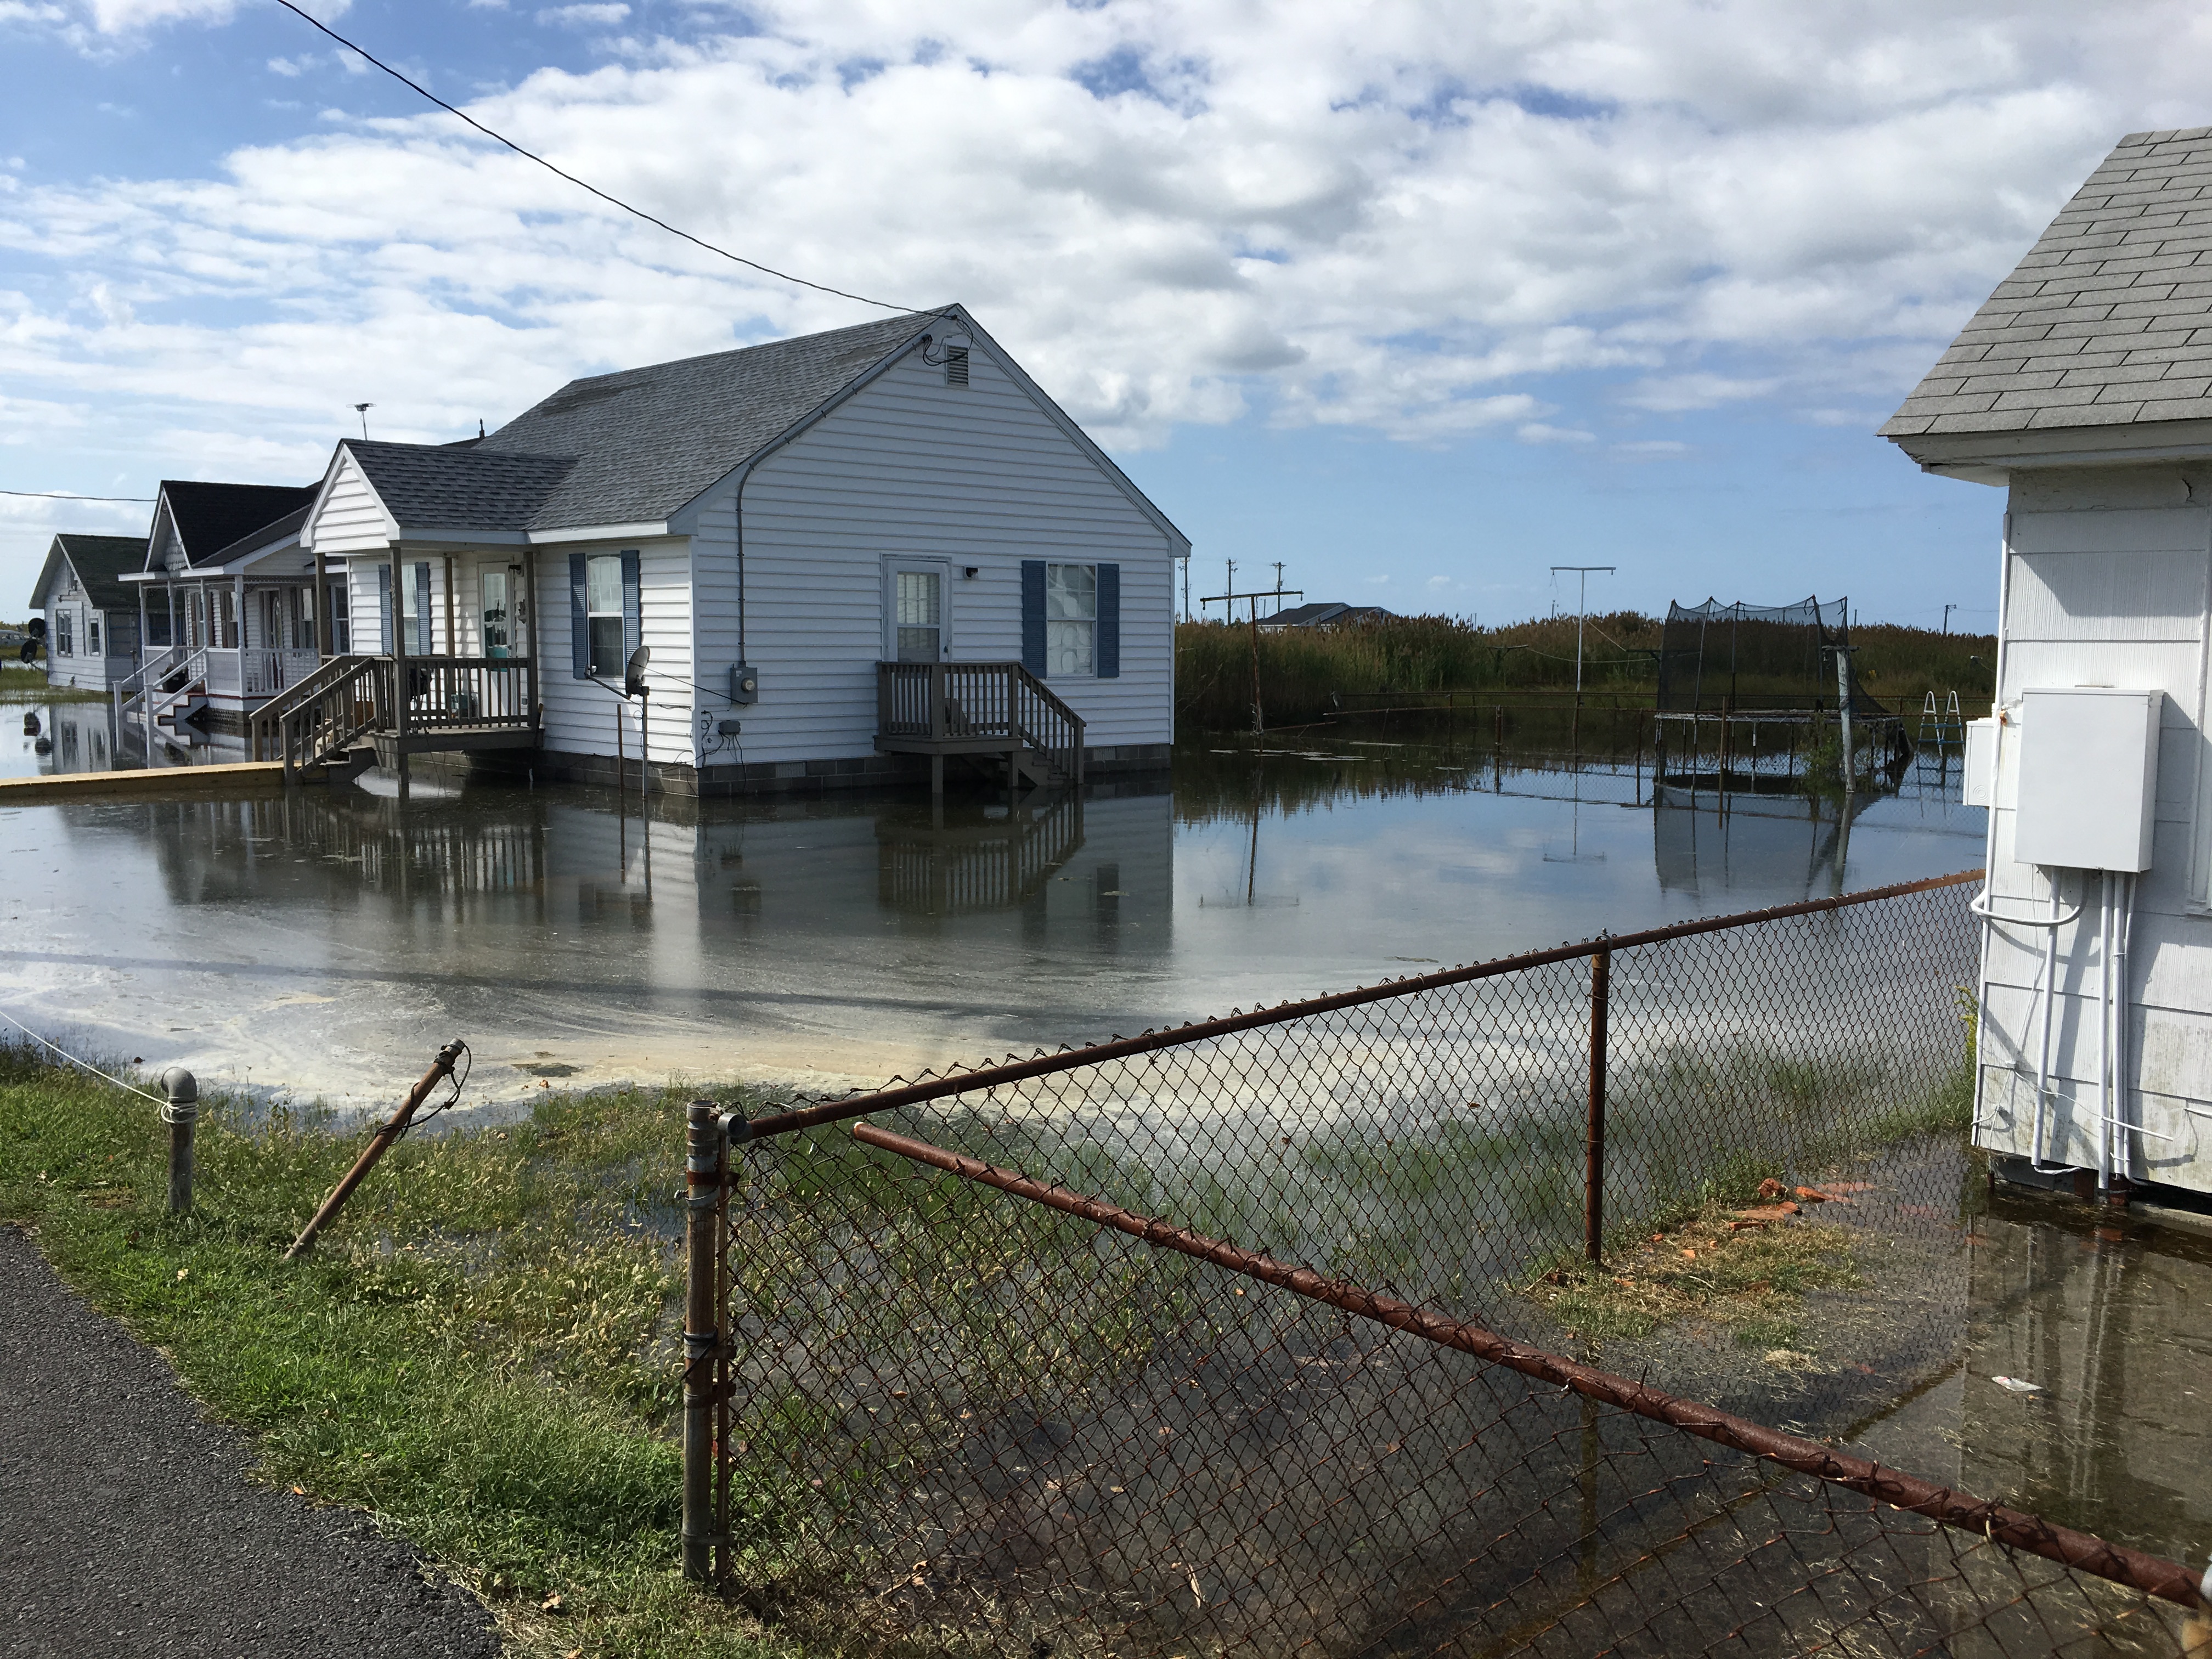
(1227, 600)
(1948, 610)
(1582, 606)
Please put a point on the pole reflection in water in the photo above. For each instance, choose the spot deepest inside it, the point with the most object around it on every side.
(316, 941)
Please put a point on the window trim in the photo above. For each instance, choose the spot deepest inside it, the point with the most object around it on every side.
(1092, 621)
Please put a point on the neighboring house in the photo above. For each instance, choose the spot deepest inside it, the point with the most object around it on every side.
(2083, 387)
(92, 617)
(1324, 616)
(227, 603)
(851, 554)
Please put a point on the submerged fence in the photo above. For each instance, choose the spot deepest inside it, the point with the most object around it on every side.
(1222, 1339)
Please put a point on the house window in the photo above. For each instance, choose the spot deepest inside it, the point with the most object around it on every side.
(603, 608)
(1071, 619)
(414, 607)
(158, 625)
(225, 620)
(92, 635)
(65, 633)
(921, 598)
(341, 621)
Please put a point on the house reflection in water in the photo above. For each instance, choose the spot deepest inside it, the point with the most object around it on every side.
(457, 879)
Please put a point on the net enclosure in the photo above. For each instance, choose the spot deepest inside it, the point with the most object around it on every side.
(1714, 656)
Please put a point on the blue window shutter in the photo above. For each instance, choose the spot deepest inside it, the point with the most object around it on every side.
(1033, 615)
(1109, 653)
(384, 607)
(633, 605)
(579, 631)
(422, 632)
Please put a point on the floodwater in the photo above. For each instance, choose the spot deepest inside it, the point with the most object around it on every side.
(322, 944)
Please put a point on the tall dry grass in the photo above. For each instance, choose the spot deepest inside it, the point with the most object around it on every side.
(1305, 673)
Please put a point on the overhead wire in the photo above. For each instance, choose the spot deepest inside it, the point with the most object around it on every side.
(63, 496)
(592, 189)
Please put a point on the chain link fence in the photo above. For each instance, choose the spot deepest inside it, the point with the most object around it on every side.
(1277, 1334)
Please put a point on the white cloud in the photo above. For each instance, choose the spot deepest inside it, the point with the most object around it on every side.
(1174, 213)
(584, 16)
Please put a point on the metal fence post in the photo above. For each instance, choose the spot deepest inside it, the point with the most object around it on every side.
(180, 1112)
(1594, 1149)
(702, 1179)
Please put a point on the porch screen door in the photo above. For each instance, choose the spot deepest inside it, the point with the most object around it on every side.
(498, 623)
(917, 602)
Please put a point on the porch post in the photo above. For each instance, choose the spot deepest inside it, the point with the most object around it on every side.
(399, 648)
(318, 602)
(453, 640)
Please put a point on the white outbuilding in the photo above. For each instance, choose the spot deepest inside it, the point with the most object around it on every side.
(2083, 389)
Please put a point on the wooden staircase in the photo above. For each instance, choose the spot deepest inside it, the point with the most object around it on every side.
(349, 714)
(982, 711)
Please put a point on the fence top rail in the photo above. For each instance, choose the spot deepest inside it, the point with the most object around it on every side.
(1177, 1036)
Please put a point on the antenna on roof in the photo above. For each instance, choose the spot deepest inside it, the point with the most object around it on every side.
(480, 431)
(362, 410)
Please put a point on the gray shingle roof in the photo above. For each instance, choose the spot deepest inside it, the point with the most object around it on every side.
(2108, 320)
(438, 486)
(98, 560)
(647, 440)
(211, 518)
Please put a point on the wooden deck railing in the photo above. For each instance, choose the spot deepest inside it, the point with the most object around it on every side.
(352, 697)
(967, 705)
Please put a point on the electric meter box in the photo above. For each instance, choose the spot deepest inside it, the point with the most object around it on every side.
(2087, 778)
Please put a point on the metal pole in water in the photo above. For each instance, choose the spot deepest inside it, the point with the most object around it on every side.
(1594, 1148)
(702, 1179)
(180, 1112)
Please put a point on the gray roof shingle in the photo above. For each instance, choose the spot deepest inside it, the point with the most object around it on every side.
(647, 440)
(439, 486)
(2108, 319)
(99, 561)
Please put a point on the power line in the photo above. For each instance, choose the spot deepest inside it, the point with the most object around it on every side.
(612, 201)
(62, 495)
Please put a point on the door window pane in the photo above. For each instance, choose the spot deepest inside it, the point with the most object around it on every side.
(921, 614)
(496, 637)
(1071, 619)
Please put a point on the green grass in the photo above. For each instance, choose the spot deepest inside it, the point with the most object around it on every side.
(19, 683)
(482, 1350)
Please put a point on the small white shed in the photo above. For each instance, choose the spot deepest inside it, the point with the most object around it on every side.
(2083, 388)
(843, 551)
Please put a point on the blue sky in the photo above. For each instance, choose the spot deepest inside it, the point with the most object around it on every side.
(1420, 299)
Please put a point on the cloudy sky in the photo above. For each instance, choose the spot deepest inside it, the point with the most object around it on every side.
(1421, 299)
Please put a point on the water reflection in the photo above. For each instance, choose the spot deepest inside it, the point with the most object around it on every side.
(327, 939)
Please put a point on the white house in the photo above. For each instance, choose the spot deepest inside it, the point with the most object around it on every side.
(2083, 388)
(224, 601)
(850, 556)
(92, 618)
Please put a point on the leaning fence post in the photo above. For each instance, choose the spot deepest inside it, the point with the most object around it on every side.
(180, 1112)
(1600, 995)
(702, 1181)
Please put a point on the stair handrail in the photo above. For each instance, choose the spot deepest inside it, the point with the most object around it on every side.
(1057, 730)
(271, 716)
(124, 693)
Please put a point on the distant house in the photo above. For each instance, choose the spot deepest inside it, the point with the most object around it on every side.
(1324, 616)
(229, 609)
(849, 555)
(2083, 388)
(92, 617)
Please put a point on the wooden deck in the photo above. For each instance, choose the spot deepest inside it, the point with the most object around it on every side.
(451, 705)
(980, 711)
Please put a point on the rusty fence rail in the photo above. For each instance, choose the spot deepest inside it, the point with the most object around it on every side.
(1228, 1338)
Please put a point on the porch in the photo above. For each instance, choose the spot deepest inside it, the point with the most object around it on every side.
(981, 711)
(351, 712)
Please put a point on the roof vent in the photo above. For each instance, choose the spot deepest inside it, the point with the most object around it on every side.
(955, 365)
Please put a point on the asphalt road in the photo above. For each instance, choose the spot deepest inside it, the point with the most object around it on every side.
(128, 1525)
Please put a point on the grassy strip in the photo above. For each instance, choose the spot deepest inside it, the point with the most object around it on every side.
(18, 682)
(484, 1351)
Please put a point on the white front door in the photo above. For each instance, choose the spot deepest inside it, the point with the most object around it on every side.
(915, 606)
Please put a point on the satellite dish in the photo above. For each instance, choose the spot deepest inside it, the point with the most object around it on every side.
(634, 675)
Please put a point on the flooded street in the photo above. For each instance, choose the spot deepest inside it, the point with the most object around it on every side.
(322, 944)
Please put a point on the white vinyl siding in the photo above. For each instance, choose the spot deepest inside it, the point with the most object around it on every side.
(350, 518)
(581, 714)
(2108, 582)
(978, 477)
